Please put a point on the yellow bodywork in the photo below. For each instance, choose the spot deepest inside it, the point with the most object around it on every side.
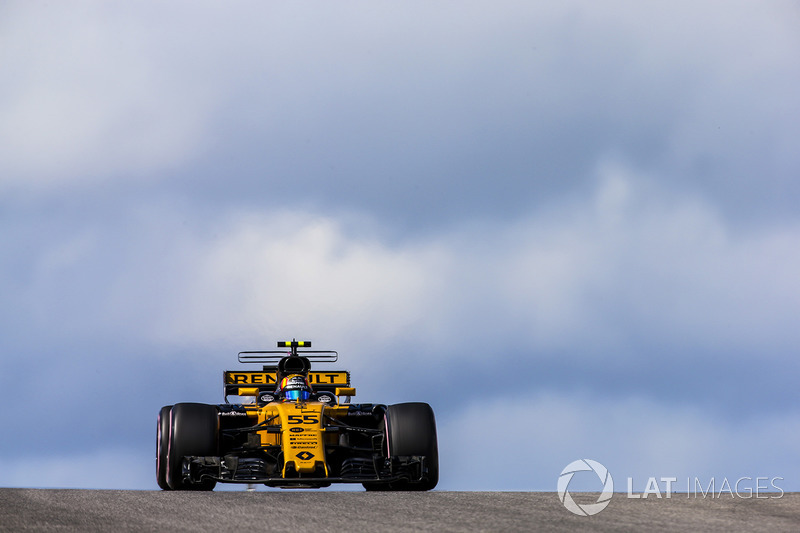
(302, 435)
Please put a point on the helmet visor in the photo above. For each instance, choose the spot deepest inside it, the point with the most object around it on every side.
(297, 394)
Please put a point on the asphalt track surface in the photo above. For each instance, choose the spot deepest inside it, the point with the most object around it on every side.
(282, 510)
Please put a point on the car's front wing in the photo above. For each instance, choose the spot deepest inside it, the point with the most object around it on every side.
(232, 469)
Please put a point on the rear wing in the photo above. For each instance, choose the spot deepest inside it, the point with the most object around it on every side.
(274, 356)
(266, 380)
(236, 381)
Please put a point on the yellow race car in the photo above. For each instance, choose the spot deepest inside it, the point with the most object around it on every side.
(292, 427)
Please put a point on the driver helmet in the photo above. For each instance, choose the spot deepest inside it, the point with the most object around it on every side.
(295, 387)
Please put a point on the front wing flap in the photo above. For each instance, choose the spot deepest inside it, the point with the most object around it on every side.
(233, 469)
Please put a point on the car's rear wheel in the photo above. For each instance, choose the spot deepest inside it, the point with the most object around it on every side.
(162, 445)
(193, 430)
(411, 430)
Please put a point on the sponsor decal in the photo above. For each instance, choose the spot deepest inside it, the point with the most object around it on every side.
(232, 413)
(358, 412)
(304, 455)
(296, 430)
(250, 378)
(271, 378)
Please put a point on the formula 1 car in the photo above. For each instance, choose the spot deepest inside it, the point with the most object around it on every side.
(295, 428)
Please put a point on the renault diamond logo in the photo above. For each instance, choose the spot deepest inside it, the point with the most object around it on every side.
(305, 456)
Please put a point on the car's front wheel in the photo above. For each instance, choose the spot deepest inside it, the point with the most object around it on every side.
(193, 430)
(162, 445)
(411, 430)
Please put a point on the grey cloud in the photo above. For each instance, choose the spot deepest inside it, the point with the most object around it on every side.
(628, 284)
(513, 108)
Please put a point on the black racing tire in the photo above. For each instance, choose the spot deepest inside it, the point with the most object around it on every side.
(162, 445)
(411, 430)
(193, 430)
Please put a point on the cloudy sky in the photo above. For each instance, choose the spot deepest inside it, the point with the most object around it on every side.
(572, 227)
